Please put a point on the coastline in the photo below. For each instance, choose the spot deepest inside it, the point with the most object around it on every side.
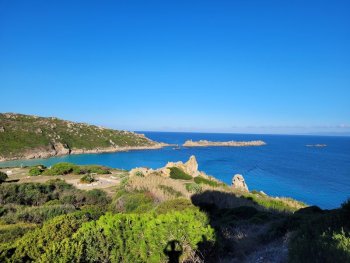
(48, 154)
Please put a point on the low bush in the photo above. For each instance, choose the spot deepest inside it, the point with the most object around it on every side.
(178, 204)
(61, 169)
(87, 179)
(323, 237)
(193, 188)
(3, 177)
(33, 244)
(202, 180)
(133, 201)
(116, 238)
(11, 232)
(169, 190)
(39, 214)
(37, 170)
(176, 173)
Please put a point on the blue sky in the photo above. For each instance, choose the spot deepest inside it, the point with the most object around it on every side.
(218, 66)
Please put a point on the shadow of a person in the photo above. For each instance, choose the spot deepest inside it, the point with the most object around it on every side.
(173, 250)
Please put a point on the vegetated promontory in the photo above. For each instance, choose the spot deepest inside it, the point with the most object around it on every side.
(27, 137)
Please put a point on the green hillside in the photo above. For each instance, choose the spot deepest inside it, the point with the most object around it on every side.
(21, 134)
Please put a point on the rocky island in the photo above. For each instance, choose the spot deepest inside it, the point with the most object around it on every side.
(205, 143)
(28, 137)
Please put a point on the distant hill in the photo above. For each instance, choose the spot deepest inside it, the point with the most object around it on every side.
(27, 137)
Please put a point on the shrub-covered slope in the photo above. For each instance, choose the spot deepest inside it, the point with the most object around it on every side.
(26, 136)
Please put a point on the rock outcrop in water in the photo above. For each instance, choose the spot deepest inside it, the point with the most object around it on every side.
(238, 183)
(205, 143)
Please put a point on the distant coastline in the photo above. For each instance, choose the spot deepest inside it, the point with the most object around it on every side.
(205, 143)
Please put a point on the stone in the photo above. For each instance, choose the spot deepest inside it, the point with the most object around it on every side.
(238, 183)
(2, 129)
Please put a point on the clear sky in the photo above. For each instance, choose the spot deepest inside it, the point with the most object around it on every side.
(220, 66)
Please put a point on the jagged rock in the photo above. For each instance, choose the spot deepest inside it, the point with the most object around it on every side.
(238, 183)
(190, 167)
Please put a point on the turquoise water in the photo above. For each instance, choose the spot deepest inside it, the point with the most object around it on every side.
(284, 167)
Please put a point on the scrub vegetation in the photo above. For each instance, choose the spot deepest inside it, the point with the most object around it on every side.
(154, 219)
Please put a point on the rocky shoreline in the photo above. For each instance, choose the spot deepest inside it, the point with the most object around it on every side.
(205, 143)
(61, 150)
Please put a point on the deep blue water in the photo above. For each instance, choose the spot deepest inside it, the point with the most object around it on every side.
(284, 167)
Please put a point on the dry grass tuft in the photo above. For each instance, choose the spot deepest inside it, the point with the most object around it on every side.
(152, 184)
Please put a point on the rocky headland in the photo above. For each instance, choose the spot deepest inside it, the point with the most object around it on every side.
(30, 137)
(205, 143)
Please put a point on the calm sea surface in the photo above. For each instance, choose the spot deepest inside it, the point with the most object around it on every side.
(284, 167)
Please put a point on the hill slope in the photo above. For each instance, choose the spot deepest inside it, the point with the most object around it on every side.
(27, 136)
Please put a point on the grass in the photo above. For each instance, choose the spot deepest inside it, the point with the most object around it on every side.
(176, 173)
(155, 185)
(202, 180)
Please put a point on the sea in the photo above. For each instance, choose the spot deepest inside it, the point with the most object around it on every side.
(285, 166)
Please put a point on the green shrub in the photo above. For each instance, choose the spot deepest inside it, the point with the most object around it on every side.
(176, 173)
(3, 177)
(86, 169)
(40, 193)
(39, 214)
(133, 202)
(87, 179)
(193, 188)
(139, 174)
(202, 180)
(61, 169)
(322, 237)
(96, 197)
(34, 243)
(133, 238)
(169, 190)
(11, 232)
(178, 204)
(35, 171)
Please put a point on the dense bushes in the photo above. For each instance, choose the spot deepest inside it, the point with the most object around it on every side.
(133, 202)
(36, 170)
(70, 168)
(133, 238)
(179, 204)
(36, 194)
(34, 243)
(324, 237)
(38, 214)
(176, 173)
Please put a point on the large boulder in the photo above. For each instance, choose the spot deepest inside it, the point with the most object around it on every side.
(238, 183)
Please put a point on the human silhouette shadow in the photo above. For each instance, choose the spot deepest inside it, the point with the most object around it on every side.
(173, 250)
